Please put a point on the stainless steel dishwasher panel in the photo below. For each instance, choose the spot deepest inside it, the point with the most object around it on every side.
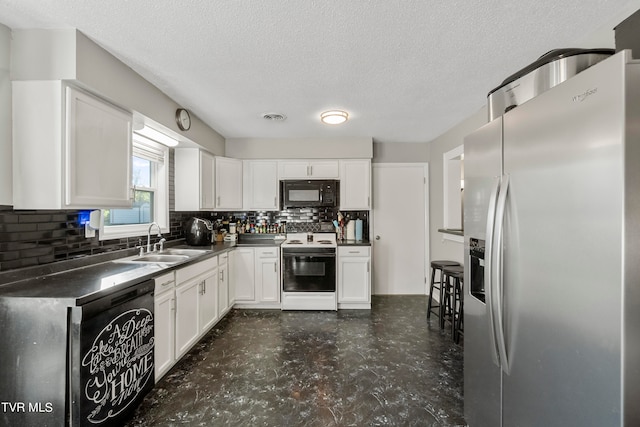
(32, 361)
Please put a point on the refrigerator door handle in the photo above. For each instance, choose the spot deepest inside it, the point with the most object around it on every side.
(498, 273)
(488, 270)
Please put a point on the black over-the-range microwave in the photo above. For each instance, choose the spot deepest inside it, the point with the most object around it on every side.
(309, 193)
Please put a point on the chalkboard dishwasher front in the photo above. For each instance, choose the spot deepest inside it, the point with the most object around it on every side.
(111, 356)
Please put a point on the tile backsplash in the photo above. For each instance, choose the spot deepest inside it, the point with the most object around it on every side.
(299, 220)
(36, 237)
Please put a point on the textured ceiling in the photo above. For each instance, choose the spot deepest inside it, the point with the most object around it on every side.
(406, 70)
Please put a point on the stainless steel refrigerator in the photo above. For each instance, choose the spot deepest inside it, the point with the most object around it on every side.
(552, 241)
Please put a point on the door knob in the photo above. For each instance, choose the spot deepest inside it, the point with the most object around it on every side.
(377, 237)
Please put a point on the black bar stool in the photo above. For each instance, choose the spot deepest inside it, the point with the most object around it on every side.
(438, 266)
(449, 306)
(458, 306)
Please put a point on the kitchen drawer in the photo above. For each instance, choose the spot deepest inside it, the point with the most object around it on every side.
(194, 270)
(164, 282)
(354, 251)
(271, 252)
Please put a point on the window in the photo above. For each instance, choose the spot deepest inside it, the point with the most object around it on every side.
(150, 183)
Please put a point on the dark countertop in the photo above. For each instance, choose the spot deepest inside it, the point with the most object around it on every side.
(85, 280)
(83, 284)
(354, 243)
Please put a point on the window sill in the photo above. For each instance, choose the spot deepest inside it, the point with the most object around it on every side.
(132, 230)
(455, 235)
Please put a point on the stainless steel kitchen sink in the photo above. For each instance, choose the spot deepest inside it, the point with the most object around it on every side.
(161, 258)
(187, 252)
(167, 257)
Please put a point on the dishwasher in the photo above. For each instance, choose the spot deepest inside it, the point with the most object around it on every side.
(111, 349)
(76, 358)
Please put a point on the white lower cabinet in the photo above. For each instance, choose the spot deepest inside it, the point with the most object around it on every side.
(256, 277)
(187, 306)
(208, 301)
(354, 277)
(224, 297)
(187, 330)
(244, 275)
(164, 324)
(231, 266)
(268, 275)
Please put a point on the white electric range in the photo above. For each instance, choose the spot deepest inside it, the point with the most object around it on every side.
(309, 272)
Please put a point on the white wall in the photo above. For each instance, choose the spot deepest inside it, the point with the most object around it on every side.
(300, 148)
(6, 194)
(441, 248)
(104, 73)
(390, 152)
(70, 55)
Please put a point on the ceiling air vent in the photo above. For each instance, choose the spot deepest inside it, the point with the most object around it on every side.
(274, 117)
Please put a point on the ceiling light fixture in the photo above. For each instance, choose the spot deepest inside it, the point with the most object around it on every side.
(334, 117)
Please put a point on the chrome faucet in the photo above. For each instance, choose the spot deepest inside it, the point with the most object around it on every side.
(149, 235)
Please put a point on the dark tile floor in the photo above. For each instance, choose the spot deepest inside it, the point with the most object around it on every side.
(384, 367)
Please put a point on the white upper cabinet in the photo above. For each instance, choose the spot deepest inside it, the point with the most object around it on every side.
(194, 180)
(228, 183)
(98, 148)
(70, 149)
(308, 169)
(260, 181)
(355, 184)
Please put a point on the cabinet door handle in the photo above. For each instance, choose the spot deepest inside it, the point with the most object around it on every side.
(368, 201)
(166, 283)
(218, 200)
(310, 170)
(354, 252)
(367, 266)
(275, 268)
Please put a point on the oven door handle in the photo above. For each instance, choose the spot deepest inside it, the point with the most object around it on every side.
(313, 254)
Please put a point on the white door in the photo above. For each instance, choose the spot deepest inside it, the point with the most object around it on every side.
(400, 228)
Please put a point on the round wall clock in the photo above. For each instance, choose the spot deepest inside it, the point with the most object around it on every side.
(183, 119)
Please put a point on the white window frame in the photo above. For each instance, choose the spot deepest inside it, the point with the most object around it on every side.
(452, 179)
(161, 198)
